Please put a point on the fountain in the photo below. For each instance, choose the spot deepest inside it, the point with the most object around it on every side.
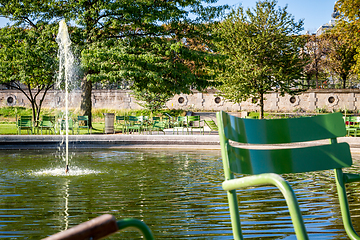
(67, 72)
(177, 192)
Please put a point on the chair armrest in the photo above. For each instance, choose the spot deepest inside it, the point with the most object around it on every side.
(350, 177)
(101, 227)
(253, 180)
(96, 228)
(283, 186)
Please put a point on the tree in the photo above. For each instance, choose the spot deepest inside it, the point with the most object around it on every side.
(153, 101)
(134, 21)
(28, 62)
(340, 55)
(263, 53)
(348, 24)
(315, 50)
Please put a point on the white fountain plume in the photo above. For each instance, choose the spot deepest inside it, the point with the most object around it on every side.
(67, 73)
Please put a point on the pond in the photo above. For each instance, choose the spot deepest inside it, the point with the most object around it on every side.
(177, 193)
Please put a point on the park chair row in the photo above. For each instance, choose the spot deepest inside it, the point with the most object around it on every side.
(140, 124)
(352, 124)
(246, 165)
(49, 124)
(183, 124)
(188, 124)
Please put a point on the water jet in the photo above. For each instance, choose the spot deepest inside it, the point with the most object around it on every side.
(67, 72)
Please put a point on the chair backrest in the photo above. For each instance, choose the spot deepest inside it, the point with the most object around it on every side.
(193, 119)
(156, 119)
(211, 124)
(83, 118)
(135, 119)
(47, 121)
(70, 124)
(120, 118)
(181, 120)
(25, 121)
(46, 118)
(242, 159)
(352, 120)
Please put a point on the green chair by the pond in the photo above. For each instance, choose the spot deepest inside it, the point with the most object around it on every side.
(62, 129)
(47, 123)
(262, 166)
(100, 227)
(194, 122)
(121, 123)
(83, 123)
(352, 124)
(180, 124)
(24, 123)
(135, 124)
(158, 126)
(211, 125)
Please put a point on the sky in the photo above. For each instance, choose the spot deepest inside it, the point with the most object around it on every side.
(314, 12)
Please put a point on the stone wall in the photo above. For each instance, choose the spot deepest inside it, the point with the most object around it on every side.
(119, 99)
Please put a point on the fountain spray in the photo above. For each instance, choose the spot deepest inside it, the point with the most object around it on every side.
(66, 69)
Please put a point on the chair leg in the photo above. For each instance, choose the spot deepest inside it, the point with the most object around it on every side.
(344, 206)
(283, 186)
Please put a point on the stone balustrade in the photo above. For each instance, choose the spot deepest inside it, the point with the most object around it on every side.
(329, 99)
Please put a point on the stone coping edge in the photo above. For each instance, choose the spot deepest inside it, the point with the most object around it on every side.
(130, 141)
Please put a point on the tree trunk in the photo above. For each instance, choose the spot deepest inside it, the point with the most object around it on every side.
(344, 82)
(261, 106)
(34, 113)
(85, 102)
(317, 80)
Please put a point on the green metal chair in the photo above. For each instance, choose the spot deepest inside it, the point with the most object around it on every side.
(25, 123)
(194, 122)
(100, 227)
(135, 124)
(159, 126)
(63, 126)
(352, 124)
(83, 122)
(121, 123)
(47, 123)
(167, 120)
(211, 125)
(180, 124)
(146, 123)
(264, 165)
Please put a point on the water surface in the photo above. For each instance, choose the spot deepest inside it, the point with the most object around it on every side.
(177, 193)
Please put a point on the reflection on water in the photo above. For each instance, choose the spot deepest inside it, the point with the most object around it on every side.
(177, 193)
(75, 171)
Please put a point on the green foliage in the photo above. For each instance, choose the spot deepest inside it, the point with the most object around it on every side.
(152, 101)
(28, 61)
(262, 47)
(13, 111)
(340, 55)
(154, 64)
(314, 49)
(321, 110)
(154, 44)
(348, 25)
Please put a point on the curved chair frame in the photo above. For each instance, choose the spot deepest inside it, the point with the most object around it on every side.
(100, 227)
(264, 165)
